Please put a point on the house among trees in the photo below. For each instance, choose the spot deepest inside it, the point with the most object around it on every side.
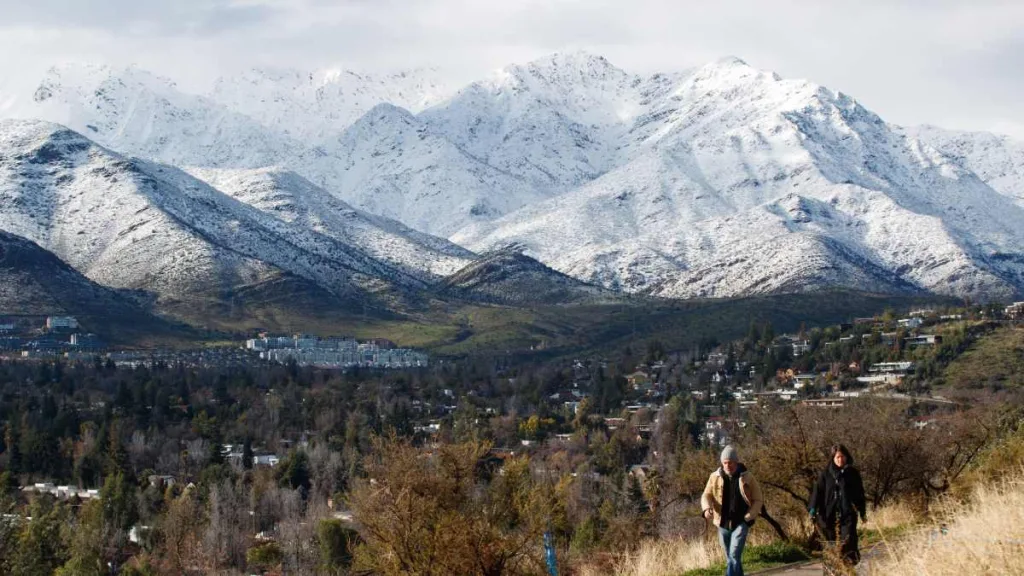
(801, 347)
(638, 379)
(833, 402)
(910, 323)
(61, 323)
(923, 340)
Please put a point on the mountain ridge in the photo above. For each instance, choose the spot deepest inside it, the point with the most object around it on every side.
(678, 185)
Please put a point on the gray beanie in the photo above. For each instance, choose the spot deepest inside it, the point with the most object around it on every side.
(730, 454)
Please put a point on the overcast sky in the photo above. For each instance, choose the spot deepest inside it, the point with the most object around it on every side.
(954, 64)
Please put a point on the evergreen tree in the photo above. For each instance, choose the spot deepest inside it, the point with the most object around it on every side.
(295, 471)
(87, 543)
(41, 544)
(11, 440)
(336, 542)
(753, 334)
(247, 454)
(768, 334)
(637, 500)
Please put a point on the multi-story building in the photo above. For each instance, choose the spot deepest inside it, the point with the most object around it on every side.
(61, 323)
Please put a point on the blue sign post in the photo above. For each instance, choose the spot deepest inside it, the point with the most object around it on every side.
(549, 549)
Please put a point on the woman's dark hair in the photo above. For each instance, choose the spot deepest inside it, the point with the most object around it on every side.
(840, 448)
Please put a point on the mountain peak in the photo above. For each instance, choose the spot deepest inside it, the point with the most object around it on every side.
(731, 67)
(563, 68)
(729, 61)
(579, 59)
(508, 276)
(85, 77)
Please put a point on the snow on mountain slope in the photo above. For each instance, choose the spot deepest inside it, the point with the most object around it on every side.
(295, 200)
(386, 163)
(391, 164)
(134, 112)
(315, 107)
(696, 183)
(557, 122)
(35, 282)
(997, 160)
(135, 224)
(702, 191)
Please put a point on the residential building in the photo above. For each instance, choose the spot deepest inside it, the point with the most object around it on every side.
(717, 358)
(61, 323)
(876, 379)
(893, 367)
(801, 347)
(638, 378)
(801, 380)
(1015, 311)
(911, 323)
(833, 402)
(266, 460)
(86, 341)
(924, 340)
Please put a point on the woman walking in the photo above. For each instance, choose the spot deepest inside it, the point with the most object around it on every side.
(837, 502)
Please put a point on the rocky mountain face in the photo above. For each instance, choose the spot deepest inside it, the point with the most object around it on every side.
(739, 182)
(134, 224)
(506, 276)
(34, 282)
(315, 106)
(719, 181)
(997, 160)
(292, 199)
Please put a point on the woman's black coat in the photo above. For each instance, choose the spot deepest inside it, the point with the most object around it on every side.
(838, 495)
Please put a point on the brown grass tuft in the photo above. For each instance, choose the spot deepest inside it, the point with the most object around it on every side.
(984, 536)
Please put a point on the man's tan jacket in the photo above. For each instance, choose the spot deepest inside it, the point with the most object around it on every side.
(714, 490)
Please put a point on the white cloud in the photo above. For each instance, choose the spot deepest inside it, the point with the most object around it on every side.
(938, 61)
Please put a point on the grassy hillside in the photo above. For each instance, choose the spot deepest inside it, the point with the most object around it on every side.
(995, 361)
(465, 329)
(455, 328)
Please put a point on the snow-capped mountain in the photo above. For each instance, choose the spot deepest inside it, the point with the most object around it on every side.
(137, 113)
(315, 106)
(720, 181)
(385, 163)
(293, 199)
(128, 223)
(391, 163)
(557, 122)
(746, 183)
(997, 160)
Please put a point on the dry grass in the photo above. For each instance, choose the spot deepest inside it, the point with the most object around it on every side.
(669, 557)
(892, 516)
(674, 556)
(984, 536)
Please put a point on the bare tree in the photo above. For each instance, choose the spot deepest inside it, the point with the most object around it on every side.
(225, 539)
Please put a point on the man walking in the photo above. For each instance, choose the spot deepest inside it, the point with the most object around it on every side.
(732, 500)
